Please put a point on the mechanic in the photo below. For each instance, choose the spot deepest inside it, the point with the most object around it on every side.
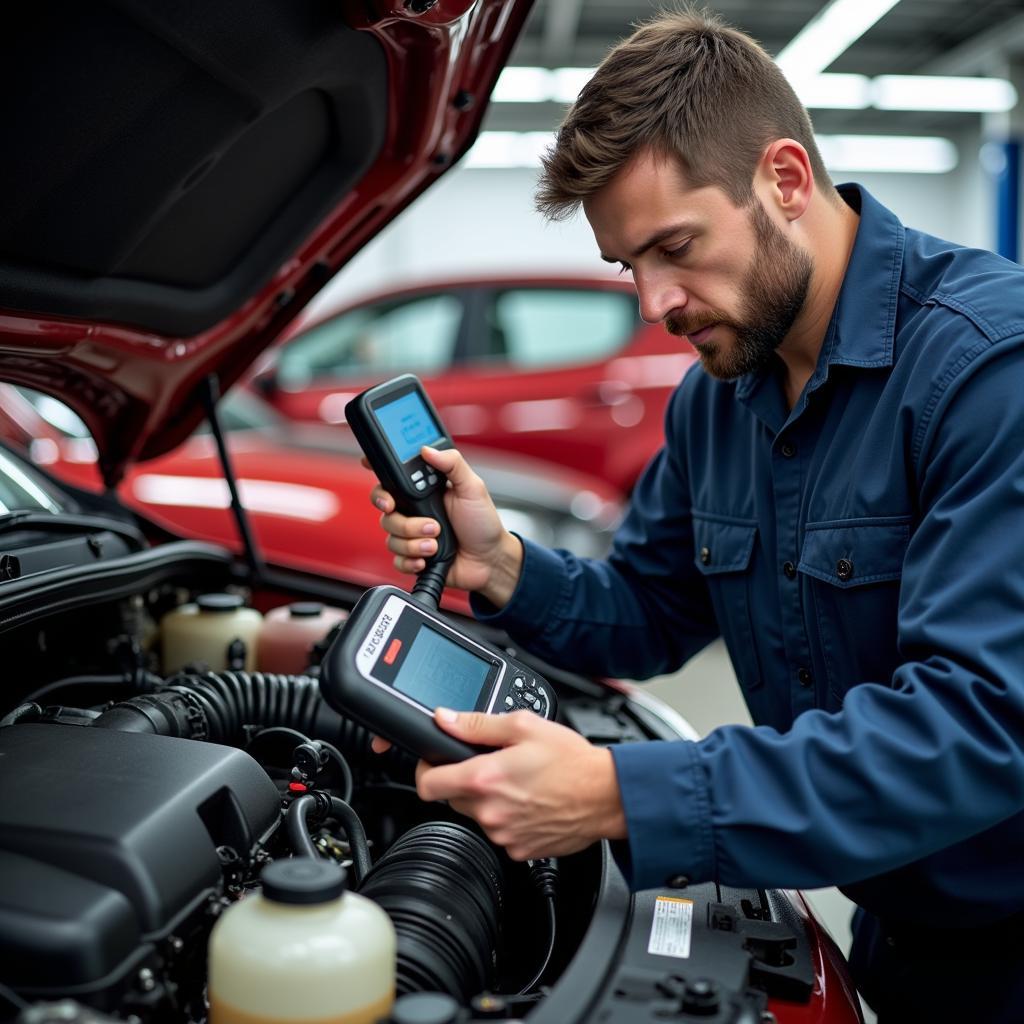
(840, 497)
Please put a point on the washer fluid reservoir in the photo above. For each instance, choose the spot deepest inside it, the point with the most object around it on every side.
(204, 631)
(304, 950)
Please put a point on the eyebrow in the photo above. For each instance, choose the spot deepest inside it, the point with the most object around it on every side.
(654, 240)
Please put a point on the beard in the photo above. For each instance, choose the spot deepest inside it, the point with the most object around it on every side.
(774, 288)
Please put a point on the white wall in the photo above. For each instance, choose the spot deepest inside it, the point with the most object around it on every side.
(476, 221)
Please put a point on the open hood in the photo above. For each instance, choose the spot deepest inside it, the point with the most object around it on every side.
(180, 178)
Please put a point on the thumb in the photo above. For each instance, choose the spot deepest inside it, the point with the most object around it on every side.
(451, 462)
(476, 727)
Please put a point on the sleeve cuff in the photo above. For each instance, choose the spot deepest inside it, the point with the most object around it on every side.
(530, 607)
(665, 797)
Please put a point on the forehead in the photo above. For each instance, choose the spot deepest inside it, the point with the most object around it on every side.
(648, 195)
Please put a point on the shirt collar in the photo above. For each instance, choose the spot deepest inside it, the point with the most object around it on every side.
(863, 325)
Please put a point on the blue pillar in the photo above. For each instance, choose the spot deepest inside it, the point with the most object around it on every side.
(1007, 187)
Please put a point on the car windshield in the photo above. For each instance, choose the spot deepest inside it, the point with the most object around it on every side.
(22, 490)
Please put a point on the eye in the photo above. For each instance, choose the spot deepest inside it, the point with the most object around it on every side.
(679, 251)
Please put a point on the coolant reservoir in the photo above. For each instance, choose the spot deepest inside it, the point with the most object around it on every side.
(303, 950)
(205, 630)
(289, 633)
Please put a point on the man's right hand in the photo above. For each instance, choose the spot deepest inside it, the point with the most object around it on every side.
(489, 558)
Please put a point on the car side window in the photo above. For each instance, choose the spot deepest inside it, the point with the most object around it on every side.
(411, 334)
(551, 326)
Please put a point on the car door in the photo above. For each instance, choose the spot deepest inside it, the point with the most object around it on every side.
(559, 372)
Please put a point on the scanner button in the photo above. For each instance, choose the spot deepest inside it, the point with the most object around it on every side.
(536, 705)
(542, 692)
(418, 475)
(530, 696)
(518, 682)
(432, 479)
(509, 702)
(421, 485)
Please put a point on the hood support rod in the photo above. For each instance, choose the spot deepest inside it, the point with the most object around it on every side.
(211, 394)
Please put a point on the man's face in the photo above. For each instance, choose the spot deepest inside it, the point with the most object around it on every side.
(724, 277)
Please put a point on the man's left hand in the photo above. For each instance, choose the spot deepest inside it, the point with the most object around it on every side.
(546, 792)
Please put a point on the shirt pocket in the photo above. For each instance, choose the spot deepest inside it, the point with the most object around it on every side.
(853, 570)
(724, 553)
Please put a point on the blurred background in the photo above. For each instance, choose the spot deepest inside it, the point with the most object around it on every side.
(916, 99)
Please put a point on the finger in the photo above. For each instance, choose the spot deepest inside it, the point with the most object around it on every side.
(409, 527)
(412, 565)
(422, 548)
(382, 499)
(483, 729)
(455, 467)
(379, 745)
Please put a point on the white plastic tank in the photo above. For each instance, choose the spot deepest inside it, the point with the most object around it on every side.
(205, 630)
(304, 949)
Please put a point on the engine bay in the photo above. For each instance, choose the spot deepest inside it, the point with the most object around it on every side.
(140, 803)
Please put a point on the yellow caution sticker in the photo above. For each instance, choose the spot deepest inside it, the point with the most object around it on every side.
(672, 927)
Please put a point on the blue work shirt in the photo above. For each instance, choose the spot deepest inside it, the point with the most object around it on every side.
(862, 555)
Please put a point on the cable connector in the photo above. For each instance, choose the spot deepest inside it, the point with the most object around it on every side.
(544, 875)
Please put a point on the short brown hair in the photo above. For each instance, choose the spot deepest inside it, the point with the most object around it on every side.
(685, 85)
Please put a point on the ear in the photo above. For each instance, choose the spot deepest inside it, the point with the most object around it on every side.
(784, 179)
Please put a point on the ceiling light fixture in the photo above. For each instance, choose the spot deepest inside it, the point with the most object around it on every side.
(934, 92)
(834, 92)
(828, 34)
(818, 92)
(893, 154)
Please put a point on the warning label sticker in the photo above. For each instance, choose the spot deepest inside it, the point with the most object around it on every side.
(671, 927)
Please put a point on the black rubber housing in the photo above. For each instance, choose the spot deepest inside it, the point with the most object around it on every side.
(443, 888)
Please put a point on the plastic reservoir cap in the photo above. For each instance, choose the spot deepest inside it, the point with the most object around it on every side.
(303, 880)
(305, 609)
(425, 1008)
(219, 602)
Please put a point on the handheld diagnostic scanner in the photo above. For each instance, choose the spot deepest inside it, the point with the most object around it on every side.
(395, 661)
(391, 422)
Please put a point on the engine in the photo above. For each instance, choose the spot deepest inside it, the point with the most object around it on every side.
(138, 805)
(144, 793)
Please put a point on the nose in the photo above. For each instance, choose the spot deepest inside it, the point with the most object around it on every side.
(657, 296)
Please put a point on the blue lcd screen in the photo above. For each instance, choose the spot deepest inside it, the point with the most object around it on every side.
(439, 673)
(407, 425)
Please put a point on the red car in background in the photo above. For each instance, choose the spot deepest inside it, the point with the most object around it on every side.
(305, 491)
(560, 369)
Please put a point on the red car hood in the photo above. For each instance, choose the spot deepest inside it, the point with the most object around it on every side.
(179, 180)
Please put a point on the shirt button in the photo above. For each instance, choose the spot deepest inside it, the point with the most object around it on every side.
(677, 882)
(789, 570)
(788, 450)
(844, 569)
(705, 556)
(805, 677)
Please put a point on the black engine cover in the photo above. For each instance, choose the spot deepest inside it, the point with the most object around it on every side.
(108, 840)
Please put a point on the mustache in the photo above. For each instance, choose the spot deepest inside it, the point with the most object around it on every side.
(682, 323)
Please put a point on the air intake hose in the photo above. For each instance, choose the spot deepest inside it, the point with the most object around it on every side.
(442, 886)
(229, 707)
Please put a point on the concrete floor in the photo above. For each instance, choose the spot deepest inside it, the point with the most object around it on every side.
(706, 693)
